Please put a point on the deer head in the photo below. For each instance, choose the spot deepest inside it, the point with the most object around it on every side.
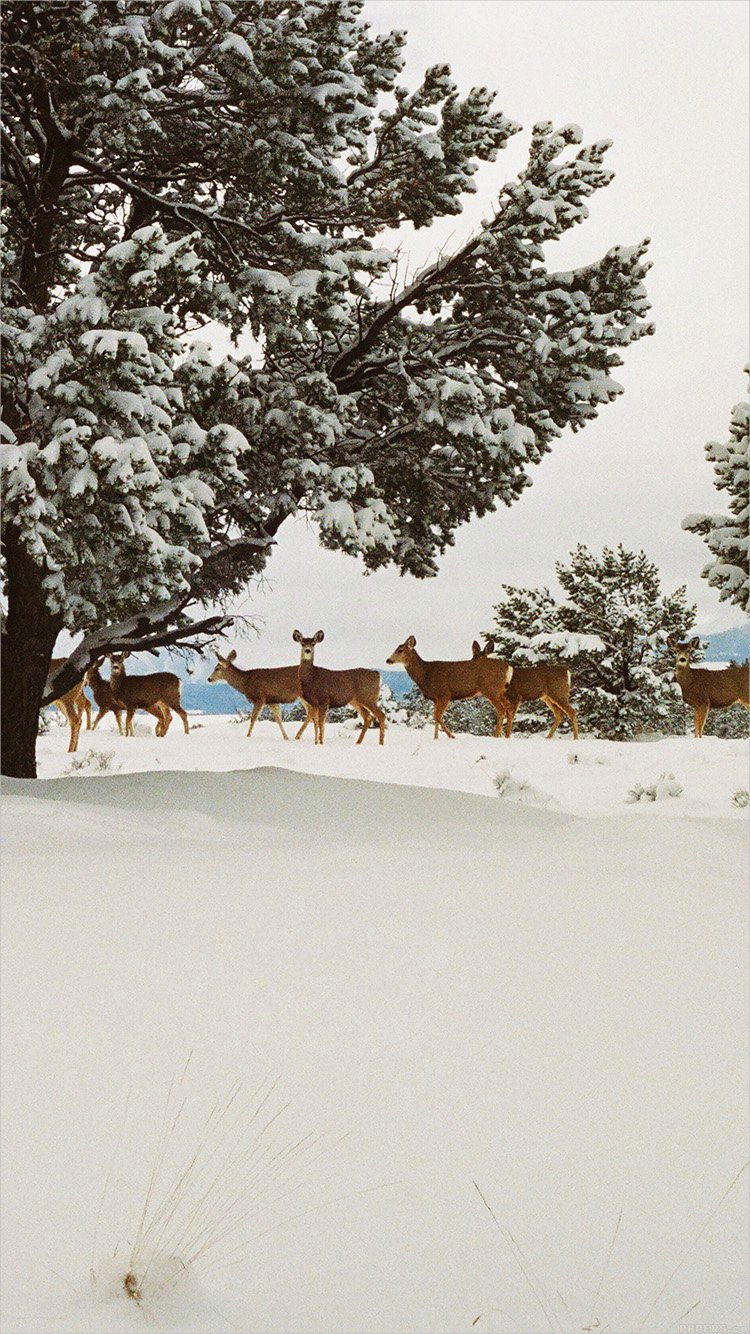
(118, 665)
(219, 672)
(478, 652)
(683, 653)
(307, 645)
(404, 651)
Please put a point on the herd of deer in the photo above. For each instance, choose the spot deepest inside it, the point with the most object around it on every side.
(321, 689)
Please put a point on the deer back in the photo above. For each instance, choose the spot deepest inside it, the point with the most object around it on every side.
(275, 685)
(718, 688)
(544, 678)
(463, 679)
(144, 691)
(324, 685)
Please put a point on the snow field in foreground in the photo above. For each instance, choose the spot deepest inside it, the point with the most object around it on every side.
(447, 988)
(586, 777)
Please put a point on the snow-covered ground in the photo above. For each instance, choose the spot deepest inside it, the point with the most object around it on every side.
(585, 777)
(264, 1014)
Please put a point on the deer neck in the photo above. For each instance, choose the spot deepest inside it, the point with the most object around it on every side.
(235, 677)
(416, 668)
(305, 672)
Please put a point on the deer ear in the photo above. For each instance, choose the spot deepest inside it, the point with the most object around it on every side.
(489, 648)
(319, 636)
(671, 641)
(476, 651)
(411, 641)
(296, 636)
(695, 642)
(231, 656)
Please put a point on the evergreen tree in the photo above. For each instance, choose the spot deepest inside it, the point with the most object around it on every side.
(168, 163)
(609, 627)
(726, 535)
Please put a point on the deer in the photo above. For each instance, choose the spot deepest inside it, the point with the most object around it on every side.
(105, 700)
(157, 692)
(270, 686)
(547, 681)
(442, 682)
(705, 688)
(323, 689)
(72, 705)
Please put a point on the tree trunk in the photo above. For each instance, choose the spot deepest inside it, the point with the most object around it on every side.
(28, 642)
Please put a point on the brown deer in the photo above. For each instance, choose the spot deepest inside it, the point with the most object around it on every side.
(157, 693)
(547, 681)
(705, 688)
(72, 705)
(104, 698)
(323, 689)
(443, 682)
(262, 685)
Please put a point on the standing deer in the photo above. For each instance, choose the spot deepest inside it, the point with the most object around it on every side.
(547, 681)
(705, 688)
(262, 685)
(104, 697)
(72, 705)
(443, 682)
(323, 689)
(157, 693)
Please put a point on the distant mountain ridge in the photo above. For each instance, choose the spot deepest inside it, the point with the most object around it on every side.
(729, 645)
(200, 697)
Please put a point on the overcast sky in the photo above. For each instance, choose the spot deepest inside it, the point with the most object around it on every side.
(667, 81)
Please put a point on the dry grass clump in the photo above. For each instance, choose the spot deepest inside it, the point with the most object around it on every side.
(196, 1201)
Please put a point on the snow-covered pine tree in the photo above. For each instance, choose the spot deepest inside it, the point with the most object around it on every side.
(726, 535)
(609, 626)
(254, 153)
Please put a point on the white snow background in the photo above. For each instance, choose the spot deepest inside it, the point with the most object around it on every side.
(298, 1015)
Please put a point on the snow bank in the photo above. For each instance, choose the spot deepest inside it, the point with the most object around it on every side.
(447, 987)
(585, 777)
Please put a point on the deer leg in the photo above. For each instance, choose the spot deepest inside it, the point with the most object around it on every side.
(70, 713)
(166, 718)
(129, 722)
(308, 717)
(557, 714)
(276, 711)
(499, 705)
(380, 720)
(87, 711)
(440, 706)
(180, 714)
(509, 717)
(255, 715)
(366, 717)
(700, 714)
(98, 718)
(322, 715)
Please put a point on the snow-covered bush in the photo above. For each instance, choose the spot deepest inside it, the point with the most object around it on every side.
(666, 785)
(92, 761)
(609, 626)
(198, 161)
(726, 535)
(517, 789)
(741, 798)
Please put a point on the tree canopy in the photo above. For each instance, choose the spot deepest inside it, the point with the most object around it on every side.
(726, 535)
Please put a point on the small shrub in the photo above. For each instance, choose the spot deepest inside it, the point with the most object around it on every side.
(741, 798)
(94, 761)
(666, 785)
